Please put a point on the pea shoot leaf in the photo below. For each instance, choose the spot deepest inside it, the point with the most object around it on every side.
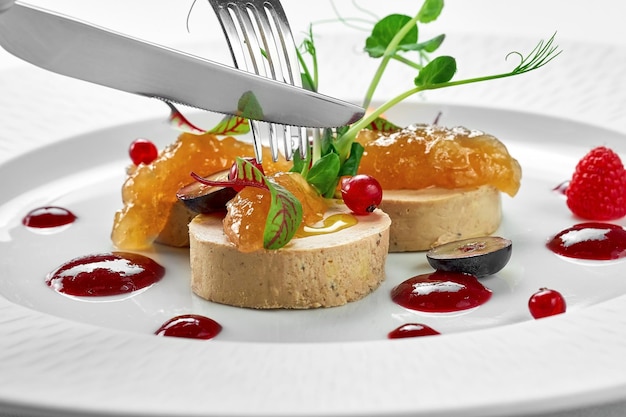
(324, 172)
(300, 165)
(429, 46)
(431, 9)
(385, 31)
(351, 165)
(439, 70)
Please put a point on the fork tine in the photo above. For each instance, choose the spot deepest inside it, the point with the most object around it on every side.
(257, 129)
(276, 66)
(260, 41)
(282, 44)
(283, 52)
(245, 51)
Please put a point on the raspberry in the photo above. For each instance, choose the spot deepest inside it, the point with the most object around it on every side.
(597, 190)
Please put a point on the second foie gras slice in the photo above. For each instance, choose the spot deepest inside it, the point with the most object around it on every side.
(433, 216)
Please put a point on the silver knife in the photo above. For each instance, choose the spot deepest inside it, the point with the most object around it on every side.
(84, 51)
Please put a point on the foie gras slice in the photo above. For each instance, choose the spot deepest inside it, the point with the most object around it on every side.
(422, 219)
(322, 270)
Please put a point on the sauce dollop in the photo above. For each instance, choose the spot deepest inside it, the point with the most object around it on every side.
(412, 330)
(591, 241)
(191, 326)
(441, 292)
(105, 274)
(48, 217)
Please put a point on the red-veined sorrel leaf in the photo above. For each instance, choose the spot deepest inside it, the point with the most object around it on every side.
(235, 182)
(382, 125)
(285, 213)
(283, 219)
(180, 122)
(231, 125)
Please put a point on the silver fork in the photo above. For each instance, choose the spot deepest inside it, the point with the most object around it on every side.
(260, 41)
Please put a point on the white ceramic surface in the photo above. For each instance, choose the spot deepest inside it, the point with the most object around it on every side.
(492, 361)
(100, 354)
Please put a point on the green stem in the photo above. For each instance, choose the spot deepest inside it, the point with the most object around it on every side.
(408, 62)
(344, 142)
(317, 145)
(305, 71)
(389, 53)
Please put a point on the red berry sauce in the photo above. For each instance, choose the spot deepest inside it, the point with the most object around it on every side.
(190, 326)
(412, 330)
(105, 274)
(48, 217)
(591, 240)
(441, 292)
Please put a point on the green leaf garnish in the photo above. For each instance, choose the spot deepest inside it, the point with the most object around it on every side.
(351, 165)
(231, 125)
(309, 78)
(180, 122)
(323, 172)
(433, 44)
(283, 219)
(382, 125)
(430, 11)
(249, 106)
(300, 165)
(285, 214)
(439, 70)
(438, 74)
(384, 33)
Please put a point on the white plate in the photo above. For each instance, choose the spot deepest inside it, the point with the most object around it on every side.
(64, 355)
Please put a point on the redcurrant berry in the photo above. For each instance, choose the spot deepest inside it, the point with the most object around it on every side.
(142, 151)
(546, 302)
(361, 193)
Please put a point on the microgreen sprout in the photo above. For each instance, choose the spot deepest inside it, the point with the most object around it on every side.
(390, 38)
(438, 74)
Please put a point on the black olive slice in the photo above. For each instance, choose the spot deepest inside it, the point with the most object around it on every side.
(479, 256)
(203, 198)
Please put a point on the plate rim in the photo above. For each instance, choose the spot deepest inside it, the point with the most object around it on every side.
(499, 338)
(588, 323)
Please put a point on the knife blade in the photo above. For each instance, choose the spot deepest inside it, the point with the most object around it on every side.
(87, 52)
